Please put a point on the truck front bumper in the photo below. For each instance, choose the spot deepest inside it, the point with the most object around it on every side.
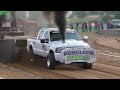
(62, 59)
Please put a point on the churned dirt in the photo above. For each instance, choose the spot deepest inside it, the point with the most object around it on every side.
(108, 42)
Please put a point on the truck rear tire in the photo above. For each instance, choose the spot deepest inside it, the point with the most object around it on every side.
(32, 54)
(51, 61)
(87, 65)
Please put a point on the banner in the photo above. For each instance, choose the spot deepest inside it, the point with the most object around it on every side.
(6, 24)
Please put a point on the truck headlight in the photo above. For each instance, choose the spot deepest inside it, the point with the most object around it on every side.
(59, 49)
(91, 53)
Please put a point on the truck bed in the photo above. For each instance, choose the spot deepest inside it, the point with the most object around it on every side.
(19, 37)
(35, 38)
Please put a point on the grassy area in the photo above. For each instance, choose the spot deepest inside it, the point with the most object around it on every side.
(89, 32)
(80, 30)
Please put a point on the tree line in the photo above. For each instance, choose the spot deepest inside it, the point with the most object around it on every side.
(104, 15)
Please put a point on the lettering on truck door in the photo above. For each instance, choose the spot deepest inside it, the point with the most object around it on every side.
(45, 45)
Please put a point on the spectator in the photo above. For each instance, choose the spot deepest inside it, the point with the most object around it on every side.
(86, 27)
(71, 25)
(77, 24)
(93, 25)
(90, 27)
(83, 29)
(101, 25)
(109, 25)
(96, 26)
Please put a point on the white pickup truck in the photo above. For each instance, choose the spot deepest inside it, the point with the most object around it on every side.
(48, 44)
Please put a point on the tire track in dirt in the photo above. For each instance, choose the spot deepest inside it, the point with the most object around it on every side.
(115, 54)
(103, 58)
(109, 63)
(75, 72)
(72, 72)
(89, 73)
(106, 68)
(114, 61)
(38, 71)
(11, 73)
(69, 72)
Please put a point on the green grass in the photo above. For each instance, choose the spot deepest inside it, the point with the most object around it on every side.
(80, 30)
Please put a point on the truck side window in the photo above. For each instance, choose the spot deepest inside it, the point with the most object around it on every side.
(41, 34)
(46, 35)
(54, 36)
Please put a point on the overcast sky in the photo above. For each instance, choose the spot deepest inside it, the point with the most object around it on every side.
(69, 13)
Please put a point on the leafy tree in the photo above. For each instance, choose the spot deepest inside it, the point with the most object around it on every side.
(117, 14)
(80, 14)
(106, 18)
(14, 23)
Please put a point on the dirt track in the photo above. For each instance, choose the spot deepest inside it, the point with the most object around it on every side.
(106, 67)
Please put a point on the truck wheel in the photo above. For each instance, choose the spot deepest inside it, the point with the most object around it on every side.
(32, 54)
(51, 61)
(87, 65)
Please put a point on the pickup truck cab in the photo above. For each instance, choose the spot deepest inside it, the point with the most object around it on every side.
(48, 44)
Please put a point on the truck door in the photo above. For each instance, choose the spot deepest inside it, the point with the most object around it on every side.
(38, 46)
(45, 46)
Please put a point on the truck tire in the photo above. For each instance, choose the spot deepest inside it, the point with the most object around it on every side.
(32, 54)
(51, 61)
(87, 65)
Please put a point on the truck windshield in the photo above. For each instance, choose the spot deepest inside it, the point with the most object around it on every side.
(55, 36)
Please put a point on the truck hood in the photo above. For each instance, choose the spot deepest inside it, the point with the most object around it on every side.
(70, 43)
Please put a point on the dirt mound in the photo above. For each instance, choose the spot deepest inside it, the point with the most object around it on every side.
(108, 42)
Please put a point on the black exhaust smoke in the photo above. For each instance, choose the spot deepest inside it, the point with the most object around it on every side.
(59, 19)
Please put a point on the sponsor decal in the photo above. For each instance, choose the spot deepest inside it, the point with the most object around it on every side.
(78, 52)
(44, 48)
(78, 57)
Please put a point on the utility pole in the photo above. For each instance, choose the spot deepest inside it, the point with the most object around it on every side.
(27, 15)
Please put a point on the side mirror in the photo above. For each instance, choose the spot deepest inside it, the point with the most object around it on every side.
(85, 38)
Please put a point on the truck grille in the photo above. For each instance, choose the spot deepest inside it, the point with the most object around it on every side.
(77, 47)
